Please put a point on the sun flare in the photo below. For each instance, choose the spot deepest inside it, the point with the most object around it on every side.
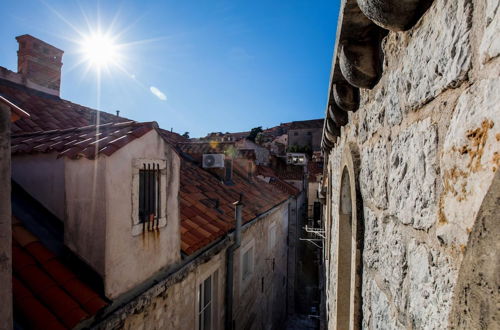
(100, 50)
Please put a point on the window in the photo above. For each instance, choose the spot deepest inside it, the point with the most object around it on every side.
(309, 133)
(206, 304)
(272, 236)
(247, 264)
(149, 195)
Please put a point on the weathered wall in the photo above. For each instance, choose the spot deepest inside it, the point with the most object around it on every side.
(305, 137)
(295, 224)
(428, 139)
(130, 259)
(173, 302)
(5, 222)
(42, 176)
(312, 196)
(85, 203)
(99, 215)
(259, 303)
(176, 306)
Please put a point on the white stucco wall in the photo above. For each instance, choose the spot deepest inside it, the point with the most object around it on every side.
(85, 224)
(131, 259)
(42, 176)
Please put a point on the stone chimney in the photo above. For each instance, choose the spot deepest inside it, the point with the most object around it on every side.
(39, 62)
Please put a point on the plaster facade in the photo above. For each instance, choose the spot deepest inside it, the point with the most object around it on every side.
(98, 211)
(173, 302)
(421, 154)
(42, 176)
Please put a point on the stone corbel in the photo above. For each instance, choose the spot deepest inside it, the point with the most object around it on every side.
(395, 15)
(360, 63)
(329, 140)
(340, 117)
(346, 96)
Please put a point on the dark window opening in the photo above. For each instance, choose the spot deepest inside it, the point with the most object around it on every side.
(149, 193)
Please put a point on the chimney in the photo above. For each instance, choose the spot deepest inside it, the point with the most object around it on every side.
(228, 172)
(39, 62)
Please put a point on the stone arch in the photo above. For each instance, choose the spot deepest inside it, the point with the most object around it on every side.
(477, 293)
(349, 243)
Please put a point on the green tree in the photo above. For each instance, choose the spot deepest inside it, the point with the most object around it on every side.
(186, 135)
(254, 132)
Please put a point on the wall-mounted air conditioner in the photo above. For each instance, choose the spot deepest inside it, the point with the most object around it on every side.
(213, 160)
(296, 159)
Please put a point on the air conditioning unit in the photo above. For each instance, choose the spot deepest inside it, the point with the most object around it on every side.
(213, 160)
(296, 159)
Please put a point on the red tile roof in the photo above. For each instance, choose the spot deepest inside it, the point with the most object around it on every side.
(206, 206)
(290, 172)
(200, 148)
(314, 123)
(48, 112)
(17, 112)
(87, 141)
(281, 184)
(172, 137)
(47, 294)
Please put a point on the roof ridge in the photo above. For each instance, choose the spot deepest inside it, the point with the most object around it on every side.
(134, 123)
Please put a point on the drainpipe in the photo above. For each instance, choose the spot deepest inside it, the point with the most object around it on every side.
(238, 206)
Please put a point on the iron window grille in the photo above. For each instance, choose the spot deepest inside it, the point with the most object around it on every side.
(150, 195)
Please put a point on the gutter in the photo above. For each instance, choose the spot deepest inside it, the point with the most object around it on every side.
(230, 265)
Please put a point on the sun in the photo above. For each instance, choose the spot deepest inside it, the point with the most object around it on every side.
(99, 50)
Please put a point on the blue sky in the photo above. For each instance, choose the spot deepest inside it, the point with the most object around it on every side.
(222, 65)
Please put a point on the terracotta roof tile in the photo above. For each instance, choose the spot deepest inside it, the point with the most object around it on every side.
(31, 310)
(201, 222)
(47, 294)
(48, 111)
(84, 141)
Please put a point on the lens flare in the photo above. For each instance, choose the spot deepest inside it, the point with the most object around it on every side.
(100, 50)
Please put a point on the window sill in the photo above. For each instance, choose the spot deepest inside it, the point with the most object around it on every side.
(137, 229)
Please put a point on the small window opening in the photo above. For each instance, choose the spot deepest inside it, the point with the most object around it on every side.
(205, 299)
(248, 263)
(149, 193)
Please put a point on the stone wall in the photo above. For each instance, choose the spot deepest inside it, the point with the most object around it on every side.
(302, 137)
(260, 303)
(428, 141)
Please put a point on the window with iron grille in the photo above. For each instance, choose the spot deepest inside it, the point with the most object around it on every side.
(149, 193)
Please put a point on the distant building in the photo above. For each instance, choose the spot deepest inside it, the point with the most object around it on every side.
(306, 134)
